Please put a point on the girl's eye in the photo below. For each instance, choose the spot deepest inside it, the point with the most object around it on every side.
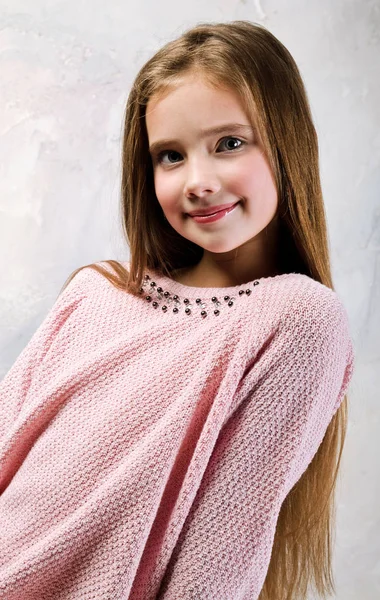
(172, 156)
(230, 143)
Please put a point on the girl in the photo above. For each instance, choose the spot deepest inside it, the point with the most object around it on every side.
(174, 428)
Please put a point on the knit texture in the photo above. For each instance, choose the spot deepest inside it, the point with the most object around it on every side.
(145, 454)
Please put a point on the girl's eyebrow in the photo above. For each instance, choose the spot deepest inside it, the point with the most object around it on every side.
(225, 128)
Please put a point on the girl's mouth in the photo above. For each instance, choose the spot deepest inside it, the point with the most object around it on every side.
(215, 216)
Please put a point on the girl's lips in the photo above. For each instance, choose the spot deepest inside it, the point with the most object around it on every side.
(216, 216)
(212, 211)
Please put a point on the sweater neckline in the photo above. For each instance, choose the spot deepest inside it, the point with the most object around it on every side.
(188, 291)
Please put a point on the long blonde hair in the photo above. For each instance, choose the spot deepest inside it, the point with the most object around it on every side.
(248, 58)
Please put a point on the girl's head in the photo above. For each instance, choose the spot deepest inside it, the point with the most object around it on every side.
(217, 75)
(206, 154)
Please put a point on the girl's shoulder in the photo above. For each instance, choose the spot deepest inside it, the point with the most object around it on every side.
(94, 276)
(301, 299)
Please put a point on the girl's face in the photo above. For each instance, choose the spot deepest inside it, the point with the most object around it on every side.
(205, 153)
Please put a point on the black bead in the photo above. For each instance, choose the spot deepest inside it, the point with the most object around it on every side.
(256, 283)
(166, 294)
(241, 292)
(155, 304)
(175, 309)
(198, 300)
(226, 297)
(214, 299)
(248, 291)
(203, 313)
(216, 312)
(187, 310)
(186, 301)
(148, 298)
(230, 303)
(164, 308)
(175, 297)
(159, 289)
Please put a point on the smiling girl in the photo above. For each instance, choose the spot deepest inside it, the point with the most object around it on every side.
(174, 428)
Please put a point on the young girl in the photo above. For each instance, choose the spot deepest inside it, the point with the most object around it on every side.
(174, 428)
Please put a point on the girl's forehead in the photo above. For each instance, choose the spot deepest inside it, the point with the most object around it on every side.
(191, 79)
(191, 93)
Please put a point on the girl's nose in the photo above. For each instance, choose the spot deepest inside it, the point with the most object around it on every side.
(201, 181)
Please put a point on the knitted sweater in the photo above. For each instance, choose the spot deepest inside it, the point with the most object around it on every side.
(145, 452)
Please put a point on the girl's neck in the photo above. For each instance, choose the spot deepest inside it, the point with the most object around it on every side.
(198, 276)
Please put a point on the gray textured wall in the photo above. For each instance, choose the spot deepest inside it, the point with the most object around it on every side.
(65, 72)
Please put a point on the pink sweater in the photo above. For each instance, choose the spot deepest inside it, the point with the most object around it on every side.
(145, 453)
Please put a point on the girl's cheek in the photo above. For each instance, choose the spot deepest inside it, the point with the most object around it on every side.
(160, 187)
(251, 171)
(166, 185)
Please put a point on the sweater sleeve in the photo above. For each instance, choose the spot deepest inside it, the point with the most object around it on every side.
(17, 383)
(295, 382)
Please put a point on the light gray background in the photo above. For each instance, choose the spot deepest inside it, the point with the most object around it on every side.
(65, 72)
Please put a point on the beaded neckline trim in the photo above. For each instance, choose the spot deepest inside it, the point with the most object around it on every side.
(164, 299)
